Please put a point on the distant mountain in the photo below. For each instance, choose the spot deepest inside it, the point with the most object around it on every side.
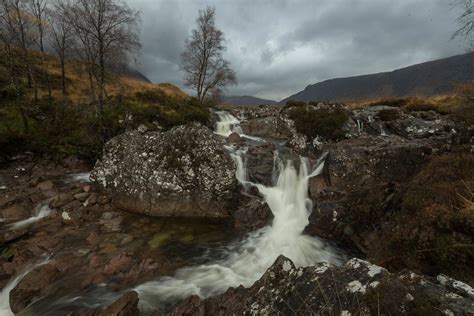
(245, 100)
(134, 74)
(426, 79)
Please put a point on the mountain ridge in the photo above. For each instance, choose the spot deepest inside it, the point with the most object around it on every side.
(429, 78)
(246, 100)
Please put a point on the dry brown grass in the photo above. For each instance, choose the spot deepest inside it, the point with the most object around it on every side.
(441, 103)
(78, 84)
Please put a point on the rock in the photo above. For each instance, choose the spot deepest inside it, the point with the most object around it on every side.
(256, 214)
(82, 197)
(193, 305)
(103, 199)
(61, 200)
(325, 289)
(14, 213)
(45, 185)
(127, 305)
(31, 286)
(234, 138)
(259, 160)
(275, 126)
(87, 188)
(111, 222)
(359, 176)
(183, 172)
(67, 218)
(92, 199)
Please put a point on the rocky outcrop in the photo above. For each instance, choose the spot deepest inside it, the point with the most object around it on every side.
(183, 172)
(354, 288)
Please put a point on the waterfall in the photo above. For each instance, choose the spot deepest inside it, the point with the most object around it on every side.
(229, 124)
(5, 293)
(244, 262)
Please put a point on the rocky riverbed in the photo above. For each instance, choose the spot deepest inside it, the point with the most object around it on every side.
(160, 201)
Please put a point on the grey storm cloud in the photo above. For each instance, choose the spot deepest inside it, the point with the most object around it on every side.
(279, 47)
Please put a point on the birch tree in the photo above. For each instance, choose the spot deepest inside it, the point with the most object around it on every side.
(205, 69)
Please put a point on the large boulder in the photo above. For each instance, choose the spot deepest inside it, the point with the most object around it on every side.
(183, 172)
(357, 287)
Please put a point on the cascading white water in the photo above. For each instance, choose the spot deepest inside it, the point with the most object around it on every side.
(5, 293)
(229, 124)
(244, 262)
(40, 212)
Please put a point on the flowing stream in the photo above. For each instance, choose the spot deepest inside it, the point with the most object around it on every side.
(41, 211)
(241, 262)
(5, 293)
(244, 262)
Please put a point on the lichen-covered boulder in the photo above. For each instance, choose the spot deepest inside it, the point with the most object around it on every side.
(183, 172)
(357, 287)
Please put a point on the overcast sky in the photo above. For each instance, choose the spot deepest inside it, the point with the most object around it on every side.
(278, 47)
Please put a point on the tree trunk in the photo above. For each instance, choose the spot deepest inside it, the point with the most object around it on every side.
(63, 76)
(101, 83)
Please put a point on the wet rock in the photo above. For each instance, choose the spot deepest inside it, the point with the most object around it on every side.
(111, 222)
(325, 289)
(61, 200)
(119, 263)
(103, 199)
(45, 185)
(256, 214)
(191, 306)
(182, 172)
(92, 199)
(31, 286)
(14, 213)
(259, 161)
(127, 305)
(81, 197)
(358, 183)
(234, 138)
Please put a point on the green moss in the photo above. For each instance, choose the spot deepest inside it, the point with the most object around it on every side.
(159, 240)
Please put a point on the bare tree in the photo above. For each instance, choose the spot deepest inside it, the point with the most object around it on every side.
(205, 69)
(108, 32)
(16, 37)
(62, 35)
(466, 21)
(21, 29)
(38, 9)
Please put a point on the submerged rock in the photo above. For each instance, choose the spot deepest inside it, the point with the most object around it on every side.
(183, 172)
(357, 286)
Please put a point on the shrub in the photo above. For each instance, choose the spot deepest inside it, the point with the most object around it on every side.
(419, 104)
(293, 103)
(388, 115)
(436, 225)
(60, 128)
(395, 102)
(325, 122)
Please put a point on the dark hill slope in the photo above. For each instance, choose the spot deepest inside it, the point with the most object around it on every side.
(245, 100)
(425, 79)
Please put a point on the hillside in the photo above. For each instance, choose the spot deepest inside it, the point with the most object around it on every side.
(123, 81)
(425, 79)
(245, 100)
